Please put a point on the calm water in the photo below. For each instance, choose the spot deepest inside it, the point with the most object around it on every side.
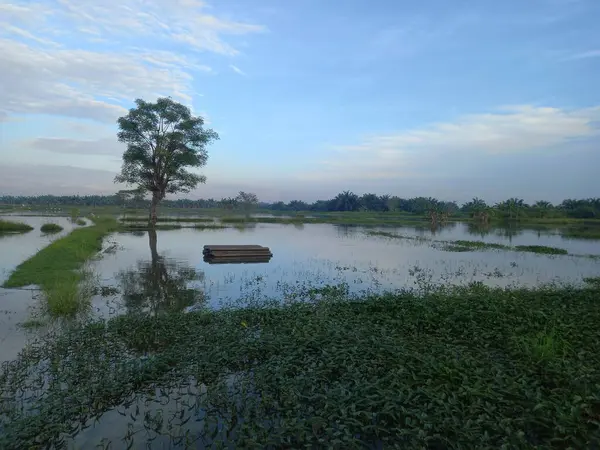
(137, 277)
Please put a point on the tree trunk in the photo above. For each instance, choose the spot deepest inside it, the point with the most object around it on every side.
(153, 205)
(153, 240)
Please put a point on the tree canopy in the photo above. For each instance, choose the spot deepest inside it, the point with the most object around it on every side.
(163, 140)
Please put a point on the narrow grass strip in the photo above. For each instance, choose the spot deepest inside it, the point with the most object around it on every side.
(62, 257)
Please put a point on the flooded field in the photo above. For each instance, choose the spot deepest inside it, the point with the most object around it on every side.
(133, 275)
(145, 273)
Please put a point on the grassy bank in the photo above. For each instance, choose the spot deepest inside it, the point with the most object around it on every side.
(9, 226)
(56, 268)
(458, 368)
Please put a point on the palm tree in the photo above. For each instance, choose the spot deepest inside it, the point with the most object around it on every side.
(542, 207)
(346, 201)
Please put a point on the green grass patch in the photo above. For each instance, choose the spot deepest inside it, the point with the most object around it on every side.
(145, 227)
(468, 246)
(480, 245)
(209, 226)
(541, 249)
(32, 323)
(469, 367)
(51, 228)
(9, 226)
(56, 269)
(168, 219)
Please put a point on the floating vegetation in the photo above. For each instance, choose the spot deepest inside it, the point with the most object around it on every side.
(146, 226)
(51, 228)
(168, 219)
(469, 367)
(541, 249)
(9, 226)
(467, 246)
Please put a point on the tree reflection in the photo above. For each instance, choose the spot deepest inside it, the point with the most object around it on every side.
(159, 285)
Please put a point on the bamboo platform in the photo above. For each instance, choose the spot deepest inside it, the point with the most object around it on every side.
(236, 254)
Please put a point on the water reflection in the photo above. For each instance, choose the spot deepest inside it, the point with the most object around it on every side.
(159, 285)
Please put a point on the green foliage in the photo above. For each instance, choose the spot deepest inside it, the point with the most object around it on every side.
(512, 209)
(542, 249)
(247, 201)
(9, 226)
(163, 139)
(80, 222)
(51, 228)
(62, 257)
(465, 367)
(75, 212)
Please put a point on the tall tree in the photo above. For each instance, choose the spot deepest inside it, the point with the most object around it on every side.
(247, 201)
(163, 140)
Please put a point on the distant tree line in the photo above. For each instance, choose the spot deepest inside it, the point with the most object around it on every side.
(510, 209)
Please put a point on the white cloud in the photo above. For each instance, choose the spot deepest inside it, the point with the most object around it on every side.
(105, 146)
(586, 55)
(514, 129)
(237, 70)
(82, 58)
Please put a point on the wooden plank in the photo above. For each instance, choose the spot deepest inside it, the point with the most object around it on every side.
(239, 254)
(231, 247)
(237, 260)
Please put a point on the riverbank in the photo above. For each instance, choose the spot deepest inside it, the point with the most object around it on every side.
(470, 367)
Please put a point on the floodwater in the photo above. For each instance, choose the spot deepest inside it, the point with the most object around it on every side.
(139, 274)
(321, 254)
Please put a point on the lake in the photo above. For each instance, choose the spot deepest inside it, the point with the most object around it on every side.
(305, 256)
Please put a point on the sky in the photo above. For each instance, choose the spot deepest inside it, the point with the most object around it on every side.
(435, 98)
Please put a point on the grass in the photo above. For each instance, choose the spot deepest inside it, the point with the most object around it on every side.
(541, 249)
(469, 367)
(468, 246)
(145, 227)
(168, 219)
(51, 228)
(8, 226)
(32, 323)
(57, 268)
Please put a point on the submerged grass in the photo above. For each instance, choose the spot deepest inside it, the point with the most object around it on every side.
(468, 246)
(57, 268)
(541, 249)
(168, 219)
(469, 367)
(9, 226)
(51, 228)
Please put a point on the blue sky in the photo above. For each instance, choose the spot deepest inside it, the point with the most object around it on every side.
(310, 97)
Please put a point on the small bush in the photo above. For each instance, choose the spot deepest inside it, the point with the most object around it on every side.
(7, 226)
(51, 228)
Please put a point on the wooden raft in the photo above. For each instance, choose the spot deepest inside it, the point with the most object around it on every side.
(236, 254)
